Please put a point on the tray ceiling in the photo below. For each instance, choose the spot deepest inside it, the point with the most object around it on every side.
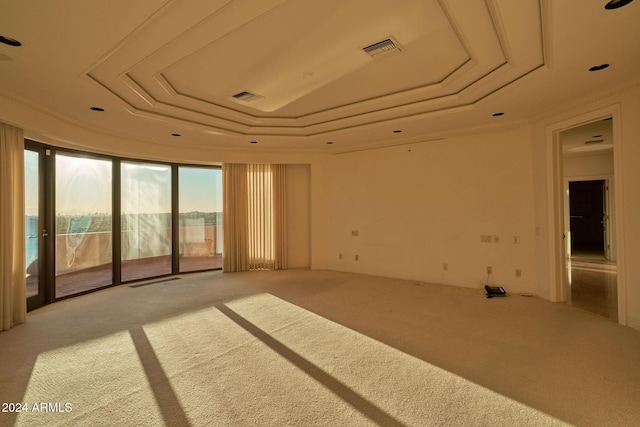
(305, 63)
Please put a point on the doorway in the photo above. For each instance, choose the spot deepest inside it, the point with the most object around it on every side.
(590, 268)
(588, 218)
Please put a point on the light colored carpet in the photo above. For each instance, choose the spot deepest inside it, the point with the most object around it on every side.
(307, 348)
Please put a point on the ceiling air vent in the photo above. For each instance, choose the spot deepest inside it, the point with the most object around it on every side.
(246, 96)
(383, 47)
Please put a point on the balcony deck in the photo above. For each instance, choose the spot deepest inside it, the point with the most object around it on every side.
(97, 277)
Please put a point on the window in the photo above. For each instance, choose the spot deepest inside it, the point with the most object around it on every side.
(145, 220)
(83, 238)
(32, 222)
(200, 210)
(73, 244)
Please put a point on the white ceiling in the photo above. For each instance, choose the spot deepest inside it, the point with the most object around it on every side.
(160, 67)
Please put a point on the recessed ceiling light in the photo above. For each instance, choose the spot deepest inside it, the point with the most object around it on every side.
(175, 134)
(253, 142)
(597, 136)
(599, 67)
(97, 109)
(497, 114)
(397, 131)
(614, 4)
(329, 142)
(10, 41)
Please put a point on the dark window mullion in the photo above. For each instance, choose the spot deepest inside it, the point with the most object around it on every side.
(50, 223)
(175, 222)
(116, 222)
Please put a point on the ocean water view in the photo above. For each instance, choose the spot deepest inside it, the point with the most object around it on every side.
(31, 234)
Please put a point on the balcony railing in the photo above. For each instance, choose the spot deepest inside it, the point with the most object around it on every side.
(83, 261)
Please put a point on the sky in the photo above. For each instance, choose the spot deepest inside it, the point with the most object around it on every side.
(83, 186)
(31, 183)
(200, 190)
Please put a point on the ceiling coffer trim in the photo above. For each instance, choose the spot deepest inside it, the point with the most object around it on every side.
(462, 87)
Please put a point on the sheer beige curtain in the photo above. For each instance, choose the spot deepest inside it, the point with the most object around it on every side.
(254, 217)
(13, 304)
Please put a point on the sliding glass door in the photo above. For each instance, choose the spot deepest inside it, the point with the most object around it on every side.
(83, 238)
(146, 231)
(35, 232)
(168, 220)
(200, 218)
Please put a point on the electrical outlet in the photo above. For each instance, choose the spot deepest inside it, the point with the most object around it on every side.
(489, 270)
(355, 233)
(445, 266)
(357, 258)
(518, 272)
(516, 240)
(340, 256)
(496, 239)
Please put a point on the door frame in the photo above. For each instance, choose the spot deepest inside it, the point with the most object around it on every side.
(45, 250)
(558, 289)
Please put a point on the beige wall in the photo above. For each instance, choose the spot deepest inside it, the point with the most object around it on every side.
(630, 201)
(298, 193)
(597, 165)
(416, 207)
